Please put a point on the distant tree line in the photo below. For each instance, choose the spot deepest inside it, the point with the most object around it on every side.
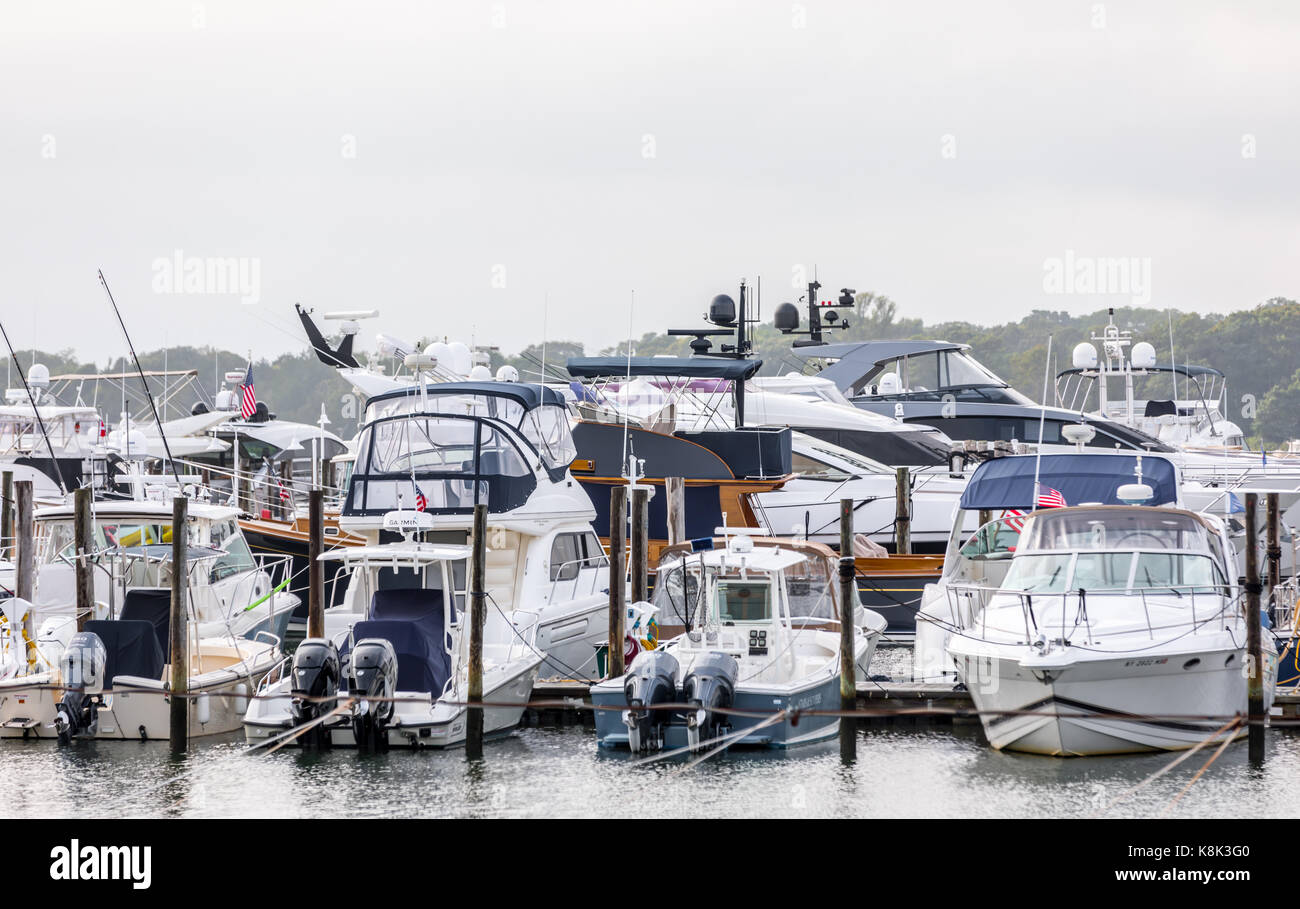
(1256, 348)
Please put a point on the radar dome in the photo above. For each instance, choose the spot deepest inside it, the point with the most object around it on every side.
(1143, 355)
(507, 373)
(1084, 356)
(480, 373)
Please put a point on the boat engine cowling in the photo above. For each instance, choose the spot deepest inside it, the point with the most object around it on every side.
(82, 668)
(651, 680)
(372, 676)
(315, 681)
(711, 684)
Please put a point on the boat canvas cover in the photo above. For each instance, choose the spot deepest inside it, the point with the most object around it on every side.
(1009, 482)
(411, 619)
(526, 394)
(131, 648)
(152, 605)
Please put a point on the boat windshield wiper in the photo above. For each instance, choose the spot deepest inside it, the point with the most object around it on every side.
(1150, 583)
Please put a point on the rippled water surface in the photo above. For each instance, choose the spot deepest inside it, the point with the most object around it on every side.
(559, 772)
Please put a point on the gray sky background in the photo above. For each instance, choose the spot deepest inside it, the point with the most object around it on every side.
(515, 134)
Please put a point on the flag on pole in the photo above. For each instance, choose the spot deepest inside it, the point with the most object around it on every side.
(1015, 519)
(248, 406)
(1049, 498)
(284, 493)
(421, 502)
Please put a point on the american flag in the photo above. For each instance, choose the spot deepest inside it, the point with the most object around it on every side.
(284, 493)
(421, 502)
(1014, 518)
(249, 405)
(1049, 497)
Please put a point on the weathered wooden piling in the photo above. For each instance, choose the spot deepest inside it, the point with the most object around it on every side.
(477, 616)
(1274, 534)
(316, 569)
(986, 515)
(1255, 679)
(903, 511)
(83, 534)
(848, 604)
(617, 590)
(25, 558)
(640, 569)
(7, 515)
(675, 491)
(180, 680)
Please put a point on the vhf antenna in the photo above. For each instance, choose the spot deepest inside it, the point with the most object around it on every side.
(148, 392)
(786, 318)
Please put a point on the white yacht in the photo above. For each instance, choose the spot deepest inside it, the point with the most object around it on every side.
(1115, 629)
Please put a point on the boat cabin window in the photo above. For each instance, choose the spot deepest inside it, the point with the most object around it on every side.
(995, 540)
(1176, 572)
(813, 469)
(744, 601)
(566, 556)
(548, 429)
(235, 556)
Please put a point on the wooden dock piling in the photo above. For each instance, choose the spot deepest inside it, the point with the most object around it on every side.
(1274, 535)
(83, 533)
(640, 571)
(316, 569)
(180, 676)
(1255, 679)
(903, 511)
(675, 491)
(477, 616)
(7, 515)
(617, 586)
(848, 604)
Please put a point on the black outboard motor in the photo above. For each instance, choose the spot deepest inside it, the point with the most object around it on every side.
(316, 674)
(82, 666)
(710, 684)
(652, 679)
(372, 674)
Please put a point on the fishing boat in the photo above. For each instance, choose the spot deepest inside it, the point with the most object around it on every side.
(395, 672)
(1116, 629)
(760, 647)
(108, 680)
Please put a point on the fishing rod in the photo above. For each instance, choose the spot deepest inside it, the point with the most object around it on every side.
(13, 357)
(145, 382)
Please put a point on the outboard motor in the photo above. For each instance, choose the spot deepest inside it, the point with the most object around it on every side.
(316, 674)
(82, 668)
(710, 684)
(372, 674)
(652, 679)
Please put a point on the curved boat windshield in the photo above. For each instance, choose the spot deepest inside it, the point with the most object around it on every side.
(1119, 572)
(1115, 528)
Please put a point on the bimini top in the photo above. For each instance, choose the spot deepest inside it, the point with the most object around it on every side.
(1080, 477)
(1182, 369)
(686, 367)
(526, 394)
(869, 353)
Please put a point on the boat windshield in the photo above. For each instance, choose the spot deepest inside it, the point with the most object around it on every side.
(1115, 528)
(1059, 572)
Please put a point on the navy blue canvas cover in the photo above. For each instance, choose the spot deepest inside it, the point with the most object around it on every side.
(131, 646)
(1080, 477)
(411, 619)
(152, 605)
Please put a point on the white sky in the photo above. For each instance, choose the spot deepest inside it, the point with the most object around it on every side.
(128, 134)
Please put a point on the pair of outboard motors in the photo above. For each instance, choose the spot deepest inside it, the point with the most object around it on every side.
(710, 687)
(369, 677)
(82, 667)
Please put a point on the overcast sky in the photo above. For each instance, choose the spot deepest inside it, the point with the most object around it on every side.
(415, 157)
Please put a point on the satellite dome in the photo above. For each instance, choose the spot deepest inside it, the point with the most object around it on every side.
(507, 373)
(38, 376)
(1084, 356)
(480, 373)
(1143, 355)
(786, 318)
(722, 310)
(461, 360)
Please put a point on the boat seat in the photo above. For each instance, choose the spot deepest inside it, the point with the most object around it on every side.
(131, 648)
(152, 605)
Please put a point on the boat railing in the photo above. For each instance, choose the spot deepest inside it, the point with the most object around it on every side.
(583, 583)
(969, 606)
